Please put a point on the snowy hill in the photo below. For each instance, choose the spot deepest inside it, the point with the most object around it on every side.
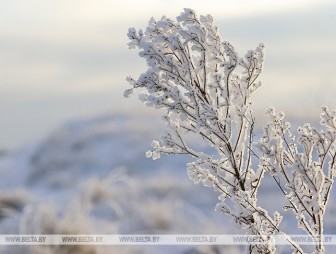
(91, 177)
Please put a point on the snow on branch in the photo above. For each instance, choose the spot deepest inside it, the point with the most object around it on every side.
(206, 90)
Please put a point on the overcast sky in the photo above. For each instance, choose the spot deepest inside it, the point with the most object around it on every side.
(62, 60)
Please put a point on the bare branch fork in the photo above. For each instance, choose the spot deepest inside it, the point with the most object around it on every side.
(206, 89)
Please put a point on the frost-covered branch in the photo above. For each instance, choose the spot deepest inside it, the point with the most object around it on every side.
(306, 163)
(206, 91)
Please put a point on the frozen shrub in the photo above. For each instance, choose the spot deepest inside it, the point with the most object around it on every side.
(206, 90)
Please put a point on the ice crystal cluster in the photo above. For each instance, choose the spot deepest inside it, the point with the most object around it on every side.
(206, 91)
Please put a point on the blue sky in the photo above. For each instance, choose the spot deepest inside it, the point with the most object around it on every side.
(62, 59)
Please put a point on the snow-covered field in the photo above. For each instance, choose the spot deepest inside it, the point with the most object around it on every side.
(91, 177)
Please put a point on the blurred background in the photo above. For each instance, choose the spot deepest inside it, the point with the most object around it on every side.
(72, 147)
(61, 59)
